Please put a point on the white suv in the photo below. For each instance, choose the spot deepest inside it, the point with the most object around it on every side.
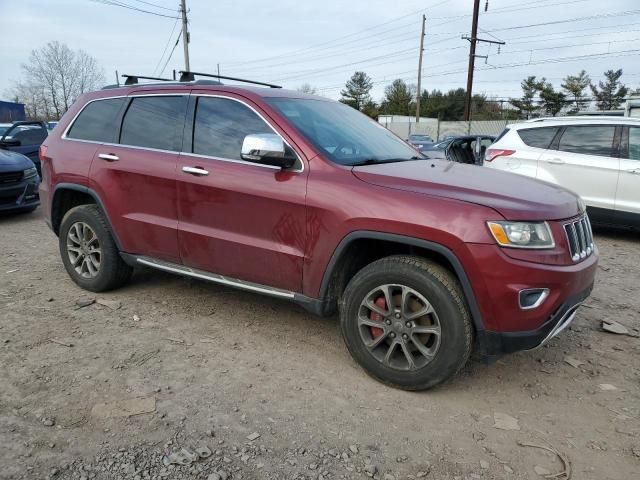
(596, 157)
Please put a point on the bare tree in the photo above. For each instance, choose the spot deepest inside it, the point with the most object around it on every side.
(307, 88)
(54, 77)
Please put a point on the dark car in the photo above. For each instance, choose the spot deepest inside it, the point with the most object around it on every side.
(25, 138)
(19, 183)
(469, 149)
(420, 141)
(303, 198)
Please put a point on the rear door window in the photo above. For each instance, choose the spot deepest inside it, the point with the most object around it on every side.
(538, 137)
(155, 122)
(634, 143)
(98, 122)
(589, 140)
(221, 125)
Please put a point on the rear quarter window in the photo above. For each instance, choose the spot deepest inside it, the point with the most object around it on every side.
(98, 121)
(538, 137)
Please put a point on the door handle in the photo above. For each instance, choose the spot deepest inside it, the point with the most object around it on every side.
(557, 161)
(109, 157)
(195, 170)
(635, 171)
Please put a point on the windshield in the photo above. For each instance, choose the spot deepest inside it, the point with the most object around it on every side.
(342, 133)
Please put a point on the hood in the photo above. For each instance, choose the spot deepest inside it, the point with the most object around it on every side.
(516, 197)
(12, 161)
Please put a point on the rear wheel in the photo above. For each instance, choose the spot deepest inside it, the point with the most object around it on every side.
(405, 321)
(88, 251)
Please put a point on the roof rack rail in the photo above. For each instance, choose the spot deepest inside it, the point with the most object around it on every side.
(134, 79)
(186, 76)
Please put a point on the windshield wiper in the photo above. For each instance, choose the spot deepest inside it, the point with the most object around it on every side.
(376, 161)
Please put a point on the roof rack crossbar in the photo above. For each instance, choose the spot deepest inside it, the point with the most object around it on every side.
(190, 77)
(133, 79)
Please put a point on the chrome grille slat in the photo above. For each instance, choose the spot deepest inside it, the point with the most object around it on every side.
(579, 238)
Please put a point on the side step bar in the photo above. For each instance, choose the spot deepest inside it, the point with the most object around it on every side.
(214, 277)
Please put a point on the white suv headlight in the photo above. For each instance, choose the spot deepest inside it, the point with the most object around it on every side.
(522, 234)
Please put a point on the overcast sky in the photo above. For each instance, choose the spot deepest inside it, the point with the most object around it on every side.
(322, 43)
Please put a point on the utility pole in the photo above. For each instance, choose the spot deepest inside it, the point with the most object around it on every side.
(185, 34)
(472, 60)
(419, 94)
(472, 57)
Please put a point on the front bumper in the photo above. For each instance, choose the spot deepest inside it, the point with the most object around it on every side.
(498, 343)
(20, 196)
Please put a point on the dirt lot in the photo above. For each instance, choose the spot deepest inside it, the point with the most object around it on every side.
(216, 365)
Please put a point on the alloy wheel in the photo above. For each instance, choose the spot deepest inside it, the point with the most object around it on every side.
(399, 327)
(83, 248)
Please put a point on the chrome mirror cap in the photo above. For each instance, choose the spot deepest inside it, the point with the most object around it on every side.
(258, 146)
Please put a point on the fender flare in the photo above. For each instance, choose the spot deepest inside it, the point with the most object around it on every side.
(467, 290)
(92, 194)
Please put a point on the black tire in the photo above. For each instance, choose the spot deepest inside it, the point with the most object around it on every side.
(441, 289)
(113, 272)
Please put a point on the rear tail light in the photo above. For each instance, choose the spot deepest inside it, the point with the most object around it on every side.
(42, 152)
(492, 153)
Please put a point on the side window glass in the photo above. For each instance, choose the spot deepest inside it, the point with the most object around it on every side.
(154, 122)
(588, 140)
(221, 125)
(538, 137)
(634, 143)
(98, 121)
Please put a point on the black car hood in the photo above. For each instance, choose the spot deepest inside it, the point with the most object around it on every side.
(12, 161)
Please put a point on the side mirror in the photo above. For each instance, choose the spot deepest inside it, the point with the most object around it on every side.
(10, 142)
(267, 148)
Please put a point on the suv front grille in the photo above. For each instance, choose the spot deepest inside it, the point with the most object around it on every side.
(8, 178)
(579, 238)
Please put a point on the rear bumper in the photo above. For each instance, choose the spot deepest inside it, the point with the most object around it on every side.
(21, 196)
(498, 343)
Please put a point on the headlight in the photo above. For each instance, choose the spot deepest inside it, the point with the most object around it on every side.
(522, 234)
(29, 173)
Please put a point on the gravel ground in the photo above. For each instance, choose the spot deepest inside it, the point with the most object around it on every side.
(114, 386)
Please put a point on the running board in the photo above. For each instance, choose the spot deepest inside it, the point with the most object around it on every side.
(213, 277)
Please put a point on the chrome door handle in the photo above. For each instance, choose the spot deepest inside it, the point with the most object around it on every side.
(195, 170)
(557, 161)
(109, 157)
(635, 171)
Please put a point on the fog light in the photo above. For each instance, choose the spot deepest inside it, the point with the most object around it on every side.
(532, 297)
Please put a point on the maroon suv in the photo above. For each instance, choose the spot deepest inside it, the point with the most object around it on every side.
(306, 199)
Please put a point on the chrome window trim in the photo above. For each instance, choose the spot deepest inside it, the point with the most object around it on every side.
(233, 160)
(208, 157)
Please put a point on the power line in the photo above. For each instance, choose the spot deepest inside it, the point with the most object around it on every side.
(155, 5)
(171, 53)
(166, 46)
(115, 3)
(329, 42)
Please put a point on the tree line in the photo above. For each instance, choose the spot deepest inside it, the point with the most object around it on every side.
(539, 97)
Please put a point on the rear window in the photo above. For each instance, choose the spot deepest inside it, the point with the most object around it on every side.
(154, 122)
(538, 137)
(98, 121)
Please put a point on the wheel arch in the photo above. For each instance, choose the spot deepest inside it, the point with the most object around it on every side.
(69, 195)
(339, 269)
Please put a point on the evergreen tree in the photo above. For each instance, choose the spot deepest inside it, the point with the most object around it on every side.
(526, 104)
(356, 91)
(609, 93)
(574, 85)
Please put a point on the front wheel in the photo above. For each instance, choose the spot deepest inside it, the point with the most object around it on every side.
(88, 251)
(405, 321)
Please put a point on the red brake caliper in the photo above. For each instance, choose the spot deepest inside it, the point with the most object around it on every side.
(375, 331)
